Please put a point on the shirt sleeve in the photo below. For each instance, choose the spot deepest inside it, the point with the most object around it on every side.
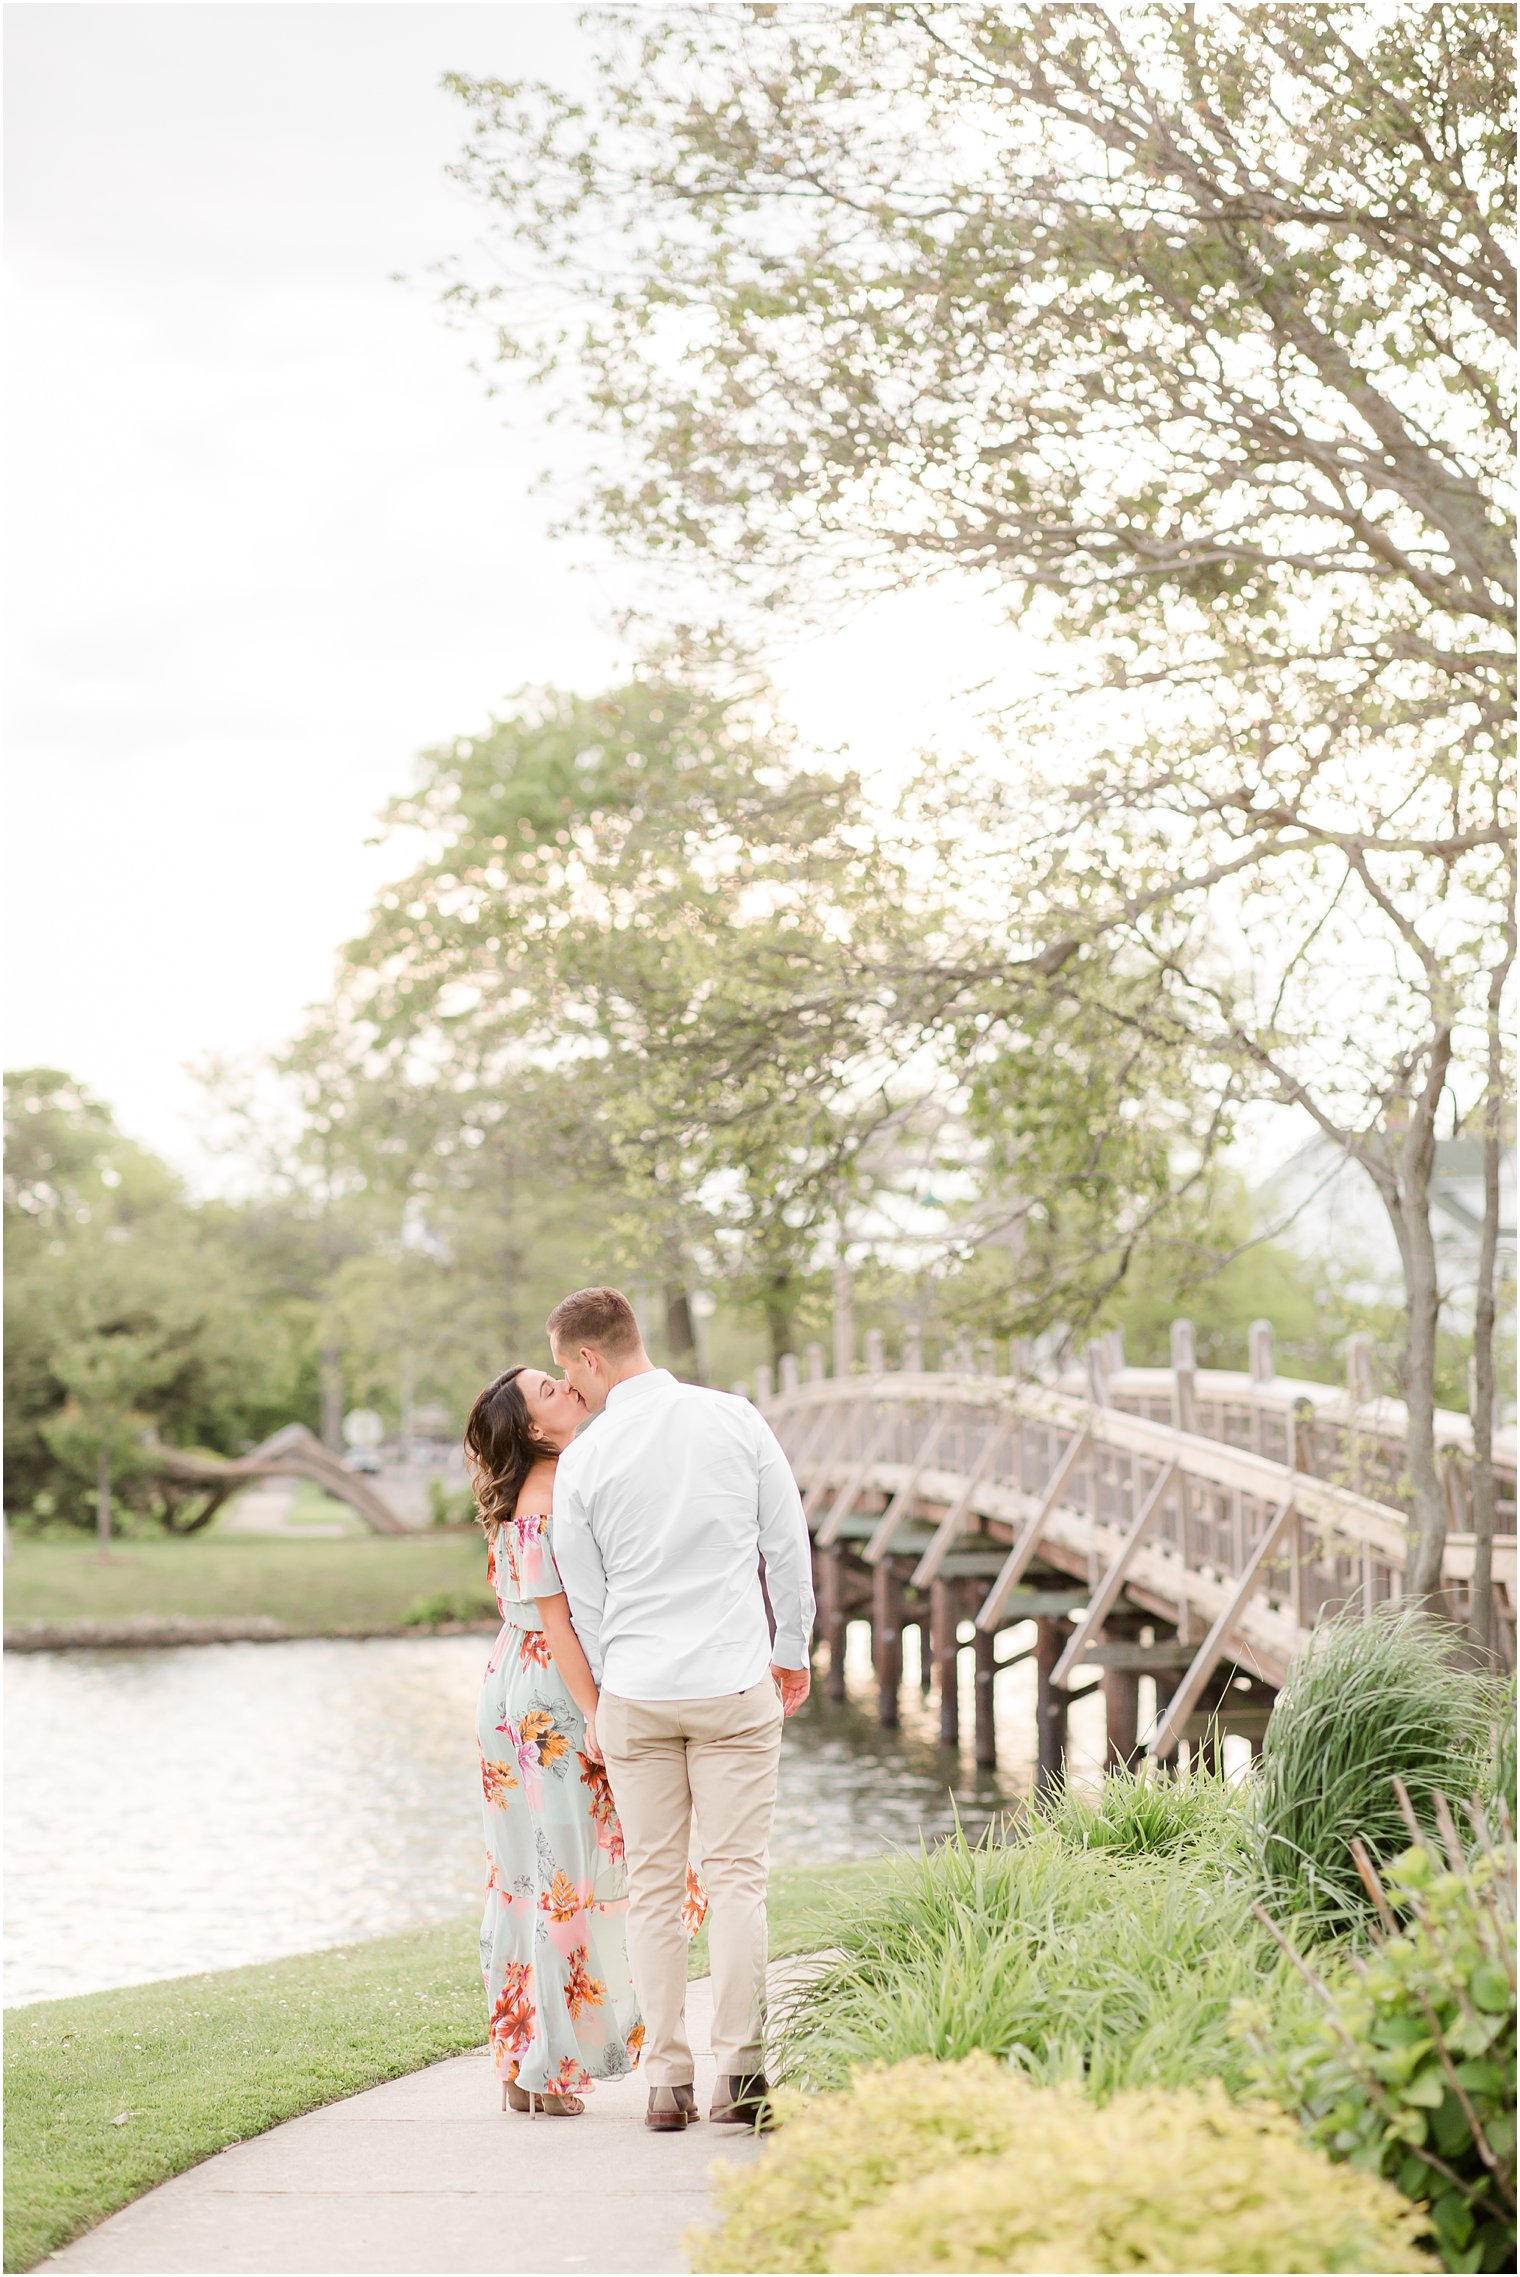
(580, 1564)
(787, 1552)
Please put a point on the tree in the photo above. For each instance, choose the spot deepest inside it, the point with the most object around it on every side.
(1191, 330)
(130, 1314)
(620, 896)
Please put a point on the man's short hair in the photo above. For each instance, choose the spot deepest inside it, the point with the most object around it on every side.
(602, 1318)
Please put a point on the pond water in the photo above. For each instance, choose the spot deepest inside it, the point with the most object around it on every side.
(176, 1810)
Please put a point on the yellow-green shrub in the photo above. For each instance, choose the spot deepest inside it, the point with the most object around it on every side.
(969, 2167)
(840, 2153)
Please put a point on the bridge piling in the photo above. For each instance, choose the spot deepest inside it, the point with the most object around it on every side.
(943, 1616)
(1051, 1703)
(886, 1637)
(986, 1707)
(1121, 1714)
(831, 1616)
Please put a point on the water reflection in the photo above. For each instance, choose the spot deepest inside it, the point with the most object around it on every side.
(170, 1811)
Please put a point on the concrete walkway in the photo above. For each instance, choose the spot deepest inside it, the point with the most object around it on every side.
(428, 2175)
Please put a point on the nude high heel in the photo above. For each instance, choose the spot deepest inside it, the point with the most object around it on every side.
(515, 2098)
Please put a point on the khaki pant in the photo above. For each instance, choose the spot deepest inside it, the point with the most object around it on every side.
(719, 1757)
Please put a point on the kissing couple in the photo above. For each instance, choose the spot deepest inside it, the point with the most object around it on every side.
(634, 1685)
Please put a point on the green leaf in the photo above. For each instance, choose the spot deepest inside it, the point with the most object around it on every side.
(1491, 1988)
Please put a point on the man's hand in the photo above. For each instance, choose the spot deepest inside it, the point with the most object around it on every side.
(794, 1685)
(593, 1744)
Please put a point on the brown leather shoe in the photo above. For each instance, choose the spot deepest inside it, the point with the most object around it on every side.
(742, 2099)
(671, 2110)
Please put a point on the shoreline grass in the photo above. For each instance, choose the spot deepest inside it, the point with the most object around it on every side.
(313, 1587)
(111, 2093)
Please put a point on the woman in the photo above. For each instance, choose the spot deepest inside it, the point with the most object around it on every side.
(553, 1944)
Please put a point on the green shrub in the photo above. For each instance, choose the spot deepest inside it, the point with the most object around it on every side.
(1366, 1702)
(449, 1506)
(1115, 1969)
(1410, 2070)
(968, 2167)
(1151, 1814)
(443, 1605)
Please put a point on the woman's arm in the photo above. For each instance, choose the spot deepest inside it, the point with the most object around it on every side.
(571, 1662)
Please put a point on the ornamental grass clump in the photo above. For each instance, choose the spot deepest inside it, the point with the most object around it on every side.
(1366, 1702)
(1095, 1965)
(1153, 1814)
(1409, 2071)
(968, 2167)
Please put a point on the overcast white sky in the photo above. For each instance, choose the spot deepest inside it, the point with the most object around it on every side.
(268, 536)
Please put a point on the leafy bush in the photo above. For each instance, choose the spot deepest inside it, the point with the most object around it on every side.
(1364, 1703)
(1116, 1969)
(449, 1506)
(1410, 2070)
(1150, 1814)
(966, 2166)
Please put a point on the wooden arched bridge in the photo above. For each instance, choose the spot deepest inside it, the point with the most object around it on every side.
(1181, 1526)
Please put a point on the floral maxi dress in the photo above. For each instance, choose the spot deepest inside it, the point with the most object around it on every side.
(553, 1940)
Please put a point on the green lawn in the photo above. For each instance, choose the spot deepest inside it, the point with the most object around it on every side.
(113, 2092)
(313, 1587)
(312, 1505)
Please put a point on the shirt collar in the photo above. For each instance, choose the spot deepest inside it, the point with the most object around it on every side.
(636, 1387)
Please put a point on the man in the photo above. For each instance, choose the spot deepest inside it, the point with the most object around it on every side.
(664, 1507)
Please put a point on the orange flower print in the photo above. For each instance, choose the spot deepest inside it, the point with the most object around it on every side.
(694, 1904)
(604, 1817)
(636, 2042)
(582, 1989)
(538, 1730)
(496, 1779)
(513, 2017)
(562, 1901)
(533, 1649)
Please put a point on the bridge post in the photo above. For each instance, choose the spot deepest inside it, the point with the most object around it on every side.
(762, 1385)
(985, 1649)
(876, 1352)
(913, 1351)
(1184, 1377)
(886, 1631)
(814, 1358)
(788, 1371)
(1359, 1369)
(844, 1321)
(943, 1611)
(1051, 1704)
(1259, 1344)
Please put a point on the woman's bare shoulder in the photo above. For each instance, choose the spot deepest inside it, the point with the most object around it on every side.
(536, 1497)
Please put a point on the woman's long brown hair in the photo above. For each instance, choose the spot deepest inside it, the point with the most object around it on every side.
(501, 1448)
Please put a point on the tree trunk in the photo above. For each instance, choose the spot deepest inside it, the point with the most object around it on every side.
(103, 1502)
(680, 1336)
(779, 1319)
(1409, 1208)
(330, 1376)
(1483, 1333)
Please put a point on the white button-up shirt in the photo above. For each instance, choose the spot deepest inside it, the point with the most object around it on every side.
(664, 1506)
